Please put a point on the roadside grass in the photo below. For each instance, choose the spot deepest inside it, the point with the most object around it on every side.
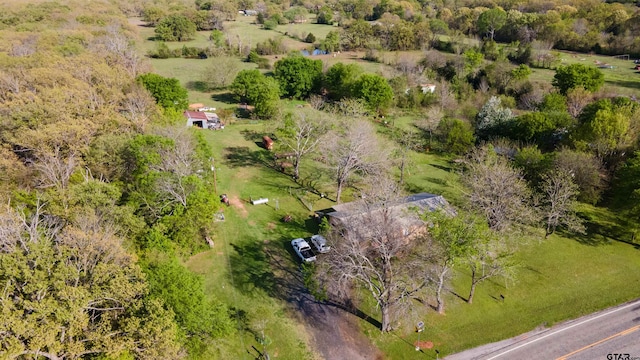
(557, 279)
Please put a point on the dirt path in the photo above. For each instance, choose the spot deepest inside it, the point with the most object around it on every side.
(336, 335)
(238, 204)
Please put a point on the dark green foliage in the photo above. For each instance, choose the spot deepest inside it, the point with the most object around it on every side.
(263, 63)
(533, 163)
(331, 42)
(270, 24)
(574, 75)
(244, 83)
(183, 293)
(325, 15)
(167, 91)
(374, 90)
(175, 27)
(255, 88)
(340, 78)
(265, 98)
(554, 102)
(457, 135)
(298, 76)
(271, 46)
(627, 186)
(310, 38)
(491, 21)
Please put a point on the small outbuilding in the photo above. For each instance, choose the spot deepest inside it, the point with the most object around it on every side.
(203, 119)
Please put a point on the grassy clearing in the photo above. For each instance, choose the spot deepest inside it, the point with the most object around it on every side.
(238, 269)
(623, 79)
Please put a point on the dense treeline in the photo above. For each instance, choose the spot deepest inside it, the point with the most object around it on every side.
(104, 190)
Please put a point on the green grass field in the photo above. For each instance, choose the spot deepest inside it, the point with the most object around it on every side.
(623, 79)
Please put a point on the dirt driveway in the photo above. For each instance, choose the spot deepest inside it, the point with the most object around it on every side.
(335, 333)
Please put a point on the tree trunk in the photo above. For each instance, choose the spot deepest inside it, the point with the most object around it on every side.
(296, 170)
(339, 191)
(402, 166)
(473, 290)
(473, 285)
(440, 302)
(386, 318)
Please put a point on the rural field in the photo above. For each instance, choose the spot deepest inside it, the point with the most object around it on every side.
(253, 267)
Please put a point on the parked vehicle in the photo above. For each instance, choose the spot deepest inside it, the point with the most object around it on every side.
(303, 250)
(320, 243)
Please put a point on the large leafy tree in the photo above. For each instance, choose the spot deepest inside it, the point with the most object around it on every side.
(374, 90)
(491, 21)
(167, 91)
(298, 76)
(175, 27)
(577, 75)
(608, 125)
(339, 79)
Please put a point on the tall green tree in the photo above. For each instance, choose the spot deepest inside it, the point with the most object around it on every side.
(374, 90)
(340, 78)
(167, 91)
(72, 291)
(491, 21)
(298, 76)
(577, 75)
(175, 27)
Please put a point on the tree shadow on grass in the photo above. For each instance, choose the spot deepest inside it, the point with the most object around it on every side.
(601, 229)
(225, 97)
(200, 86)
(623, 83)
(241, 156)
(263, 265)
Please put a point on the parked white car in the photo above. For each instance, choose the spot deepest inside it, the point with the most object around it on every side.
(303, 250)
(320, 243)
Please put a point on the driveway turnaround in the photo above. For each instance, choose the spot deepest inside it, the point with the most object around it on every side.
(612, 334)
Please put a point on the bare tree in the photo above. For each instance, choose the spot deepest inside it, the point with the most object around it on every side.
(354, 149)
(497, 190)
(369, 252)
(560, 193)
(431, 121)
(55, 167)
(221, 72)
(301, 132)
(138, 107)
(577, 99)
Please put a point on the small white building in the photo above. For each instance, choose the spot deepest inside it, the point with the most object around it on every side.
(203, 119)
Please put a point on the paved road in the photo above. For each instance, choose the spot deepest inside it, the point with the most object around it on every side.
(597, 336)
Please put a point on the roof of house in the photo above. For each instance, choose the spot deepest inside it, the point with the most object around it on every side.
(402, 209)
(406, 211)
(195, 115)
